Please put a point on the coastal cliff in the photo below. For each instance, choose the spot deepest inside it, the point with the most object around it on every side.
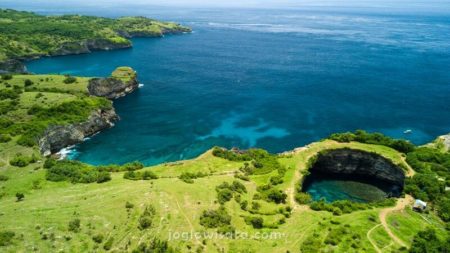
(12, 66)
(56, 138)
(27, 35)
(122, 81)
(359, 163)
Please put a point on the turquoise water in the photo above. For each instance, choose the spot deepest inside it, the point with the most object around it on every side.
(274, 79)
(332, 190)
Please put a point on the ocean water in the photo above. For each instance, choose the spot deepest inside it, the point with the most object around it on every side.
(275, 79)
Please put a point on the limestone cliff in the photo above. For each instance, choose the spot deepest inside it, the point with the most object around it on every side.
(56, 138)
(359, 163)
(122, 82)
(12, 66)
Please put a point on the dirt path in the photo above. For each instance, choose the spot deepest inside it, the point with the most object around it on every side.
(401, 204)
(374, 244)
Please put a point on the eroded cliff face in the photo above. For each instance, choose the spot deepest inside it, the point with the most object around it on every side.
(359, 164)
(56, 138)
(12, 66)
(111, 87)
(122, 82)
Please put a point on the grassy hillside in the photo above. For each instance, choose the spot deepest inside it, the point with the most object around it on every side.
(114, 216)
(25, 35)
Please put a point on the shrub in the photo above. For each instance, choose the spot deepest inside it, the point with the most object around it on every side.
(4, 178)
(277, 196)
(28, 82)
(7, 77)
(129, 205)
(6, 238)
(303, 197)
(103, 176)
(5, 138)
(427, 241)
(74, 225)
(256, 222)
(189, 177)
(145, 220)
(21, 161)
(215, 218)
(403, 146)
(98, 238)
(224, 195)
(69, 79)
(20, 196)
(156, 246)
(108, 244)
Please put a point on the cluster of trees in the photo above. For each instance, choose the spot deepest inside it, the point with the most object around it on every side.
(9, 99)
(433, 175)
(146, 219)
(215, 218)
(346, 206)
(258, 161)
(403, 146)
(75, 172)
(20, 160)
(188, 177)
(428, 241)
(156, 246)
(137, 175)
(226, 191)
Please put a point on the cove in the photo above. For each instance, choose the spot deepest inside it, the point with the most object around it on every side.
(274, 79)
(347, 174)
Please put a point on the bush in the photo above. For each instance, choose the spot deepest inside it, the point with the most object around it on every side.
(69, 79)
(5, 138)
(215, 218)
(21, 161)
(6, 238)
(20, 196)
(277, 196)
(427, 241)
(189, 177)
(28, 82)
(98, 238)
(74, 225)
(303, 197)
(4, 178)
(403, 146)
(108, 244)
(7, 77)
(256, 222)
(155, 246)
(145, 220)
(75, 172)
(129, 205)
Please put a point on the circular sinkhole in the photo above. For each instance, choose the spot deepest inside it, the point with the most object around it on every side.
(349, 174)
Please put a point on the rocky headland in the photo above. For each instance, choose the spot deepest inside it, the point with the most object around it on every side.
(122, 81)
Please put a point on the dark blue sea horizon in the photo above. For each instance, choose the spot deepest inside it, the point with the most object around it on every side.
(274, 79)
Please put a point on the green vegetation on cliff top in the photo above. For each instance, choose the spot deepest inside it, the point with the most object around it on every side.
(26, 35)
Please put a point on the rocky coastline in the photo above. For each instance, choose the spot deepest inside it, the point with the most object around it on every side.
(58, 137)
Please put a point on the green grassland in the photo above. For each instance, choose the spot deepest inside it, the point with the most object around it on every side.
(26, 35)
(41, 220)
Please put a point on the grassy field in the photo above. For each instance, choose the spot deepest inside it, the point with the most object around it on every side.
(41, 220)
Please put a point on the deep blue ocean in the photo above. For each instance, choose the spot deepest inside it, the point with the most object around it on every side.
(275, 79)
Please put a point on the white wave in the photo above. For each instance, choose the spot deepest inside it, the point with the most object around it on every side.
(63, 153)
(140, 85)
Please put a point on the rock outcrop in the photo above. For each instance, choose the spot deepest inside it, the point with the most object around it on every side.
(87, 46)
(122, 82)
(12, 66)
(56, 138)
(359, 164)
(444, 140)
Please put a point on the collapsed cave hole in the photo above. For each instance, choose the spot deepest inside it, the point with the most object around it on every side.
(356, 175)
